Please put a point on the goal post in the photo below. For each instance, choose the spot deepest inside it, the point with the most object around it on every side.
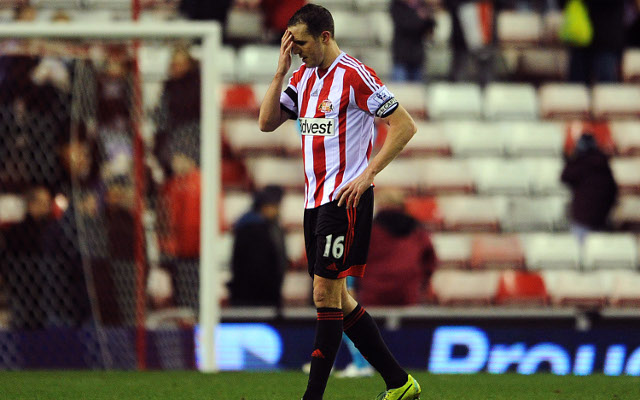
(209, 35)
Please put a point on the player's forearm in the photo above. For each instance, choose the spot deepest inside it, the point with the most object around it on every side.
(270, 113)
(397, 138)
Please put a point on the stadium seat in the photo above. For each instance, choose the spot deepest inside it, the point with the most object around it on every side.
(438, 63)
(599, 129)
(290, 138)
(292, 211)
(543, 64)
(445, 175)
(379, 59)
(540, 138)
(245, 137)
(510, 101)
(443, 28)
(545, 251)
(631, 65)
(425, 210)
(234, 174)
(454, 100)
(500, 176)
(400, 174)
(154, 61)
(337, 4)
(518, 28)
(234, 205)
(490, 251)
(412, 97)
(626, 213)
(224, 250)
(564, 100)
(227, 62)
(625, 171)
(471, 213)
(573, 288)
(371, 5)
(429, 139)
(244, 25)
(151, 94)
(239, 99)
(545, 175)
(609, 251)
(287, 172)
(383, 24)
(521, 288)
(474, 138)
(456, 287)
(353, 29)
(296, 288)
(257, 63)
(626, 289)
(534, 214)
(13, 208)
(614, 100)
(452, 249)
(296, 249)
(626, 136)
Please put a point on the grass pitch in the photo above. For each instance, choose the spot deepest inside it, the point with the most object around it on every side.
(183, 385)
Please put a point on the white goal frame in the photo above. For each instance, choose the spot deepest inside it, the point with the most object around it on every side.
(210, 159)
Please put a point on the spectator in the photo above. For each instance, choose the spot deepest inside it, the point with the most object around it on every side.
(593, 187)
(401, 257)
(27, 245)
(259, 258)
(26, 13)
(217, 10)
(633, 20)
(471, 39)
(600, 60)
(44, 268)
(180, 241)
(412, 22)
(178, 115)
(276, 16)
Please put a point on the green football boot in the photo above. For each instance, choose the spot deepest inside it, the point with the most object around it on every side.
(408, 391)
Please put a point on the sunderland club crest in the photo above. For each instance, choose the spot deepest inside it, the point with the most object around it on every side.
(325, 106)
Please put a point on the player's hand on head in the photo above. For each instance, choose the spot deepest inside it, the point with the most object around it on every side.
(350, 194)
(286, 44)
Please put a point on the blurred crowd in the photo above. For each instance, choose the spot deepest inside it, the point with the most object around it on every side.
(72, 132)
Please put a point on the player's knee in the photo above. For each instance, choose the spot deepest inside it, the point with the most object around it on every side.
(324, 297)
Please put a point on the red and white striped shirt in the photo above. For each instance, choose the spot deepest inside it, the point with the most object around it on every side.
(336, 115)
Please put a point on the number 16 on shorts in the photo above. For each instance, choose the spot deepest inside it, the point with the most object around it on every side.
(334, 246)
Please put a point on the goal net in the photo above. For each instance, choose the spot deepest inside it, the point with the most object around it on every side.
(109, 181)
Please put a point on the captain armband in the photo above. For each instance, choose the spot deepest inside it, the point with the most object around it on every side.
(387, 108)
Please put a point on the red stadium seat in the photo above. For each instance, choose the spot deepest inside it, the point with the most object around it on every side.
(600, 130)
(425, 210)
(519, 287)
(234, 174)
(239, 99)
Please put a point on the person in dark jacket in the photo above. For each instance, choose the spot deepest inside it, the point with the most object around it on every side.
(412, 23)
(600, 61)
(401, 257)
(593, 187)
(259, 258)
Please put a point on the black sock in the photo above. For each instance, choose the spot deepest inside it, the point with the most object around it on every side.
(325, 348)
(363, 331)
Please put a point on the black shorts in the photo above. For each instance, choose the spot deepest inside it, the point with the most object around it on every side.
(337, 238)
